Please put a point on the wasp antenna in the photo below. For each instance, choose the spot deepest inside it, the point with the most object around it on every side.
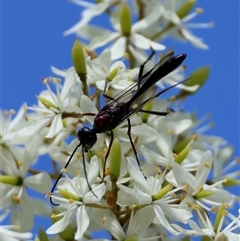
(170, 87)
(85, 173)
(63, 170)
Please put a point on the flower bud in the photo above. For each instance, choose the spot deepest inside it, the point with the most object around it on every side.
(115, 160)
(198, 77)
(182, 155)
(113, 74)
(79, 64)
(146, 115)
(48, 104)
(68, 195)
(42, 235)
(125, 20)
(11, 180)
(220, 213)
(133, 238)
(231, 182)
(78, 58)
(203, 194)
(181, 144)
(162, 192)
(185, 8)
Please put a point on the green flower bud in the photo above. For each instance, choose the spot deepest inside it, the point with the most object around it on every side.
(48, 104)
(220, 213)
(182, 155)
(231, 182)
(80, 64)
(115, 160)
(125, 20)
(205, 238)
(42, 235)
(134, 238)
(162, 192)
(69, 195)
(186, 238)
(198, 77)
(11, 180)
(203, 194)
(181, 144)
(113, 74)
(146, 115)
(185, 8)
(78, 58)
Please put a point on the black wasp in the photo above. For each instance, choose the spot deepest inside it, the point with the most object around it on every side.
(118, 110)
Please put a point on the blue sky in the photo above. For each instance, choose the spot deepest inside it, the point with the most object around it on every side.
(32, 41)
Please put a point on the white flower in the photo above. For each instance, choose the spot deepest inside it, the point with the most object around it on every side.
(194, 184)
(101, 37)
(138, 223)
(14, 190)
(180, 27)
(143, 193)
(90, 12)
(9, 232)
(78, 204)
(207, 229)
(101, 70)
(52, 106)
(10, 124)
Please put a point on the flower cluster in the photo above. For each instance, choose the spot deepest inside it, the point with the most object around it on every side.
(156, 176)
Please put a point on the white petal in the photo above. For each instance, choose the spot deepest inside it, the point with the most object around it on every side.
(107, 220)
(148, 20)
(193, 39)
(182, 176)
(157, 46)
(59, 72)
(17, 118)
(179, 126)
(99, 192)
(126, 196)
(56, 126)
(40, 182)
(140, 221)
(82, 222)
(137, 175)
(162, 219)
(140, 41)
(9, 235)
(203, 170)
(41, 208)
(143, 132)
(33, 129)
(60, 225)
(93, 170)
(118, 48)
(27, 212)
(103, 40)
(87, 106)
(175, 214)
(87, 15)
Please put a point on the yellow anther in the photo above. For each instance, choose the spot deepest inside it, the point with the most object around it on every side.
(104, 219)
(19, 163)
(213, 209)
(16, 199)
(207, 165)
(170, 132)
(199, 10)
